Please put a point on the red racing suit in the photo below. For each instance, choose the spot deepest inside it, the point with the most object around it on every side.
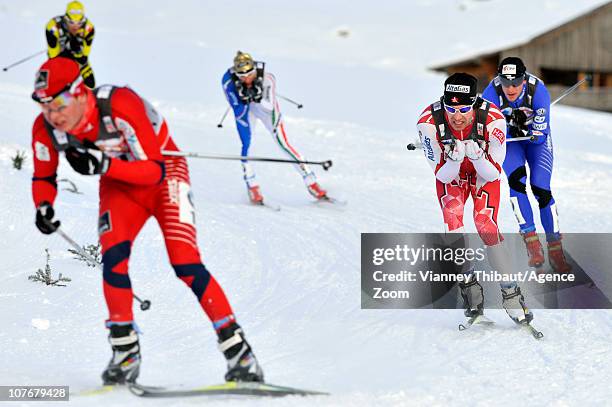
(139, 183)
(456, 181)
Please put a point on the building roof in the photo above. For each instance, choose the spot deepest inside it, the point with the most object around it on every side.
(474, 59)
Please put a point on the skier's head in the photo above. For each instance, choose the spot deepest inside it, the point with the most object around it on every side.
(459, 99)
(75, 16)
(511, 73)
(244, 67)
(61, 93)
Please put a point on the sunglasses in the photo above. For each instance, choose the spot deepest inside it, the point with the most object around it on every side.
(518, 81)
(74, 23)
(244, 74)
(62, 100)
(463, 110)
(58, 104)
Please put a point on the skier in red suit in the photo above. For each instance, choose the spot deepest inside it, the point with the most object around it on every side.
(112, 132)
(464, 142)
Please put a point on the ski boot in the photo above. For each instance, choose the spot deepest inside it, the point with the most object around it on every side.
(242, 366)
(473, 298)
(514, 304)
(316, 191)
(556, 258)
(255, 195)
(124, 366)
(534, 249)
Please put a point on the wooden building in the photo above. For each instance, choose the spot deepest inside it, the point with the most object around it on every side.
(560, 57)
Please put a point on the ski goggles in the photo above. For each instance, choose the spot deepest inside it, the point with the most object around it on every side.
(462, 110)
(61, 100)
(74, 23)
(245, 74)
(58, 104)
(506, 83)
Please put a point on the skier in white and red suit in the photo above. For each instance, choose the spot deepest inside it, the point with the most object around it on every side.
(463, 138)
(111, 131)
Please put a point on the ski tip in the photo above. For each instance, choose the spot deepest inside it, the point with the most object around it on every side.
(462, 327)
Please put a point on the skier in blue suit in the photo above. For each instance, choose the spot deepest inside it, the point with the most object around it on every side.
(525, 103)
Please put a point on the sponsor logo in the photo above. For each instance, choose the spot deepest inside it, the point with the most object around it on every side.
(541, 111)
(509, 69)
(537, 133)
(428, 149)
(104, 223)
(108, 124)
(539, 119)
(104, 92)
(42, 152)
(499, 135)
(540, 126)
(42, 80)
(454, 99)
(60, 137)
(457, 88)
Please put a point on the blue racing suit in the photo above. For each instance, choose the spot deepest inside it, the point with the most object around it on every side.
(528, 115)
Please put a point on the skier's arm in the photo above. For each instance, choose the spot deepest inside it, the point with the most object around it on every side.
(445, 170)
(241, 112)
(52, 35)
(489, 165)
(45, 157)
(88, 38)
(130, 116)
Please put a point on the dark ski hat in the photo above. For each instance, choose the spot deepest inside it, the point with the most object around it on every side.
(511, 71)
(56, 76)
(460, 89)
(511, 67)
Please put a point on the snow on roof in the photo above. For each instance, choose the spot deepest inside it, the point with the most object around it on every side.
(514, 43)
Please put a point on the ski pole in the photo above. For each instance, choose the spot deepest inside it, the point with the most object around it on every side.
(570, 90)
(299, 105)
(6, 68)
(325, 164)
(220, 124)
(414, 146)
(144, 305)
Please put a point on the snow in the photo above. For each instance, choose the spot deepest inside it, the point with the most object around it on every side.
(293, 276)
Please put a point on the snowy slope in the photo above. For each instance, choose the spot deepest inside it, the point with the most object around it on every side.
(292, 277)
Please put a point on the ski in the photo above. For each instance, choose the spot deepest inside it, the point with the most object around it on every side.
(272, 207)
(104, 389)
(476, 320)
(228, 389)
(331, 200)
(532, 330)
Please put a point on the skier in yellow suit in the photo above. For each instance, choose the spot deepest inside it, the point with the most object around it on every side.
(71, 35)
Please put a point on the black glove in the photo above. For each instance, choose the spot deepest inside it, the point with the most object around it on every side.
(87, 161)
(44, 218)
(75, 45)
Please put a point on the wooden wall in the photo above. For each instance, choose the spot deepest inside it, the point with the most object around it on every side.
(584, 44)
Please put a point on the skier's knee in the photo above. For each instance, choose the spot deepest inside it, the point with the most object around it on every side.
(544, 196)
(196, 276)
(514, 180)
(111, 259)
